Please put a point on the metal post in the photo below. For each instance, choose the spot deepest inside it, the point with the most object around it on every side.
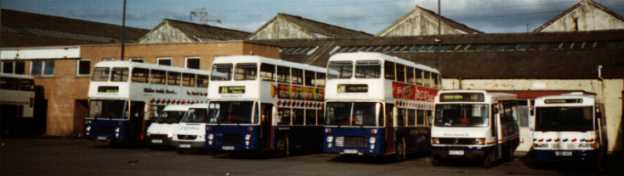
(123, 31)
(439, 18)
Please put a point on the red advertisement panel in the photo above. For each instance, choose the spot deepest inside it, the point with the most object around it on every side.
(413, 92)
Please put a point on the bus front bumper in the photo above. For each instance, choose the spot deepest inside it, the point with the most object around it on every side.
(455, 152)
(562, 155)
(159, 140)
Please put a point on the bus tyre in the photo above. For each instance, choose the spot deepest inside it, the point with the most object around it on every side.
(283, 146)
(401, 153)
(488, 160)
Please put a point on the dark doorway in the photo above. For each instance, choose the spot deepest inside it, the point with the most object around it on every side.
(81, 110)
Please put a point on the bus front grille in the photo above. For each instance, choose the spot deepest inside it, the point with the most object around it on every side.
(352, 142)
(187, 137)
(232, 139)
(458, 141)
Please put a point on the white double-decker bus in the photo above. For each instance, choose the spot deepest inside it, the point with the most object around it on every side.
(264, 104)
(474, 125)
(378, 105)
(568, 127)
(123, 95)
(17, 96)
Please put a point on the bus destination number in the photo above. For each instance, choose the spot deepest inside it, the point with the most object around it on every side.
(562, 101)
(232, 90)
(352, 88)
(108, 89)
(458, 97)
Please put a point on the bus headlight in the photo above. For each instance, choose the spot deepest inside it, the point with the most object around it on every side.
(480, 141)
(88, 128)
(247, 137)
(435, 141)
(210, 136)
(116, 130)
(372, 140)
(330, 139)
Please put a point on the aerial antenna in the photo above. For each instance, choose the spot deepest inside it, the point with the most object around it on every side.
(201, 16)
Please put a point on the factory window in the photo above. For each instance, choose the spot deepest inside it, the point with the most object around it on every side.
(192, 62)
(164, 61)
(42, 67)
(137, 60)
(83, 68)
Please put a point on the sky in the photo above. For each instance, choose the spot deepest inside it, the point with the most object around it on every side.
(372, 16)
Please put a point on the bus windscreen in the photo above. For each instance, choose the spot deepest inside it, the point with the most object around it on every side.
(461, 115)
(108, 109)
(195, 116)
(564, 119)
(348, 113)
(230, 112)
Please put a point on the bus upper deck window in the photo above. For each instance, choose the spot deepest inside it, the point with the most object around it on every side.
(188, 80)
(267, 72)
(140, 75)
(410, 75)
(320, 80)
(101, 74)
(400, 72)
(340, 69)
(173, 78)
(221, 72)
(367, 69)
(157, 77)
(389, 70)
(296, 76)
(119, 74)
(202, 81)
(246, 71)
(420, 80)
(308, 77)
(427, 79)
(436, 79)
(283, 74)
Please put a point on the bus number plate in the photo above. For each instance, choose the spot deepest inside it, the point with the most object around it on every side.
(101, 138)
(185, 146)
(350, 151)
(563, 153)
(227, 147)
(456, 152)
(157, 141)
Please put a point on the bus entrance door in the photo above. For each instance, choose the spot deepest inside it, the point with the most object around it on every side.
(266, 120)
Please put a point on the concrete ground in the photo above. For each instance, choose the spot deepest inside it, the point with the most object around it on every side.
(68, 157)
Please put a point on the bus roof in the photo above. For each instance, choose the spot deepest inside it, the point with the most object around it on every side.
(587, 99)
(5, 75)
(260, 59)
(149, 66)
(380, 56)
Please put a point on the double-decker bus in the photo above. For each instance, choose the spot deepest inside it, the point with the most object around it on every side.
(124, 95)
(568, 127)
(474, 125)
(17, 96)
(378, 105)
(263, 104)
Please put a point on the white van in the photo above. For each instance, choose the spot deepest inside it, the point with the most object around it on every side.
(160, 131)
(191, 131)
(474, 125)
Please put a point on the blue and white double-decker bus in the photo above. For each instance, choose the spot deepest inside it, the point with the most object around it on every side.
(124, 95)
(260, 104)
(378, 105)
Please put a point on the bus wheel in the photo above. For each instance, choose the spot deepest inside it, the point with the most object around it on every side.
(509, 153)
(488, 160)
(401, 153)
(283, 146)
